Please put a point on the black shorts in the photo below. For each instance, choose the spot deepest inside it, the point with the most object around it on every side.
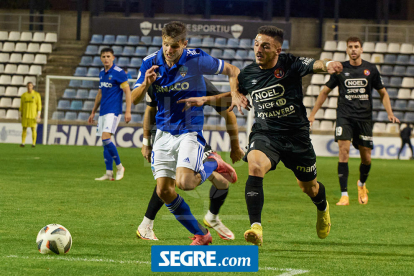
(295, 151)
(359, 132)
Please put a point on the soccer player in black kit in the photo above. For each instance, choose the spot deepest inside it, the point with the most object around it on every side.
(354, 114)
(281, 130)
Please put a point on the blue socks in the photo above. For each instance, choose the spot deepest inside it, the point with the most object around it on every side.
(110, 147)
(108, 160)
(183, 214)
(209, 167)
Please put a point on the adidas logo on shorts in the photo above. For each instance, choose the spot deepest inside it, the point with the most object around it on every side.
(187, 160)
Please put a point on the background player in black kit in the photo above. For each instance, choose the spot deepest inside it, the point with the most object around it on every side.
(281, 130)
(405, 135)
(219, 189)
(354, 114)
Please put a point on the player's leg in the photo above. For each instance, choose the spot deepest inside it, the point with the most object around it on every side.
(145, 229)
(107, 156)
(343, 170)
(34, 135)
(411, 148)
(110, 125)
(24, 134)
(403, 142)
(364, 169)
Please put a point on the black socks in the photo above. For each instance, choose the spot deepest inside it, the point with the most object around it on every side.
(254, 198)
(154, 205)
(320, 199)
(363, 172)
(217, 198)
(343, 173)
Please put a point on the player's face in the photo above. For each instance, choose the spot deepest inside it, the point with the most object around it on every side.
(354, 50)
(173, 48)
(107, 59)
(30, 86)
(266, 50)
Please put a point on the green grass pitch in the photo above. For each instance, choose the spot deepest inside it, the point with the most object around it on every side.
(55, 184)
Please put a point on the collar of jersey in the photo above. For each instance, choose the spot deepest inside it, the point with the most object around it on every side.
(110, 69)
(160, 58)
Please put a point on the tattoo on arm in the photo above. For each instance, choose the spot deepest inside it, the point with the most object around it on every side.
(320, 66)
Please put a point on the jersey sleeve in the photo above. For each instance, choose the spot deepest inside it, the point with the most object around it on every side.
(332, 82)
(377, 80)
(209, 65)
(150, 97)
(240, 77)
(121, 77)
(302, 65)
(21, 103)
(211, 90)
(39, 102)
(141, 74)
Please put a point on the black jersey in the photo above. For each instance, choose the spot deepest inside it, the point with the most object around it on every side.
(406, 132)
(355, 90)
(276, 94)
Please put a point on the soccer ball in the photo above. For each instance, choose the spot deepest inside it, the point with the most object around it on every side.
(54, 238)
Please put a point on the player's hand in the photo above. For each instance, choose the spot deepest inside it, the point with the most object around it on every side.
(236, 154)
(194, 101)
(146, 152)
(311, 119)
(38, 119)
(239, 100)
(393, 119)
(150, 75)
(334, 67)
(127, 117)
(90, 119)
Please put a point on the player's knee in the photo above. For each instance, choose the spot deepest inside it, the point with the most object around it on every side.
(310, 190)
(256, 169)
(165, 193)
(186, 182)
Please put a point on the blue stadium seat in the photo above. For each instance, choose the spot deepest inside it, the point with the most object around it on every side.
(128, 51)
(208, 42)
(285, 45)
(400, 105)
(408, 117)
(109, 39)
(251, 55)
(410, 105)
(136, 118)
(63, 104)
(69, 94)
(140, 108)
(117, 50)
(246, 62)
(207, 51)
(376, 104)
(399, 114)
(87, 84)
(399, 70)
(238, 64)
(220, 42)
(83, 116)
(135, 62)
(133, 72)
(395, 81)
(233, 43)
(386, 70)
(241, 121)
(86, 61)
(88, 105)
(93, 72)
(123, 62)
(195, 42)
(97, 61)
(76, 105)
(70, 116)
(213, 120)
(91, 50)
(386, 80)
(74, 83)
(390, 58)
(141, 51)
(374, 114)
(80, 71)
(92, 93)
(382, 116)
(229, 54)
(82, 94)
(157, 41)
(96, 117)
(411, 60)
(96, 39)
(133, 40)
(58, 115)
(147, 40)
(410, 71)
(392, 92)
(245, 43)
(152, 50)
(217, 53)
(403, 59)
(241, 54)
(209, 110)
(121, 39)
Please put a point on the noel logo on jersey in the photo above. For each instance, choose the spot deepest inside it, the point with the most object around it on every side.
(367, 72)
(183, 71)
(349, 83)
(279, 73)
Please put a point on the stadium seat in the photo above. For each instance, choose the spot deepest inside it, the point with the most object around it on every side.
(326, 125)
(74, 83)
(15, 58)
(82, 94)
(70, 116)
(330, 45)
(157, 41)
(10, 69)
(136, 118)
(315, 124)
(135, 62)
(376, 104)
(327, 55)
(217, 53)
(285, 45)
(96, 39)
(382, 116)
(4, 35)
(410, 71)
(80, 71)
(92, 93)
(229, 54)
(11, 91)
(16, 103)
(208, 42)
(140, 108)
(5, 79)
(403, 93)
(400, 105)
(377, 58)
(76, 105)
(133, 72)
(39, 37)
(28, 58)
(141, 51)
(88, 84)
(386, 80)
(390, 58)
(2, 113)
(121, 39)
(2, 90)
(22, 90)
(406, 48)
(14, 36)
(245, 43)
(133, 40)
(122, 62)
(31, 79)
(17, 80)
(320, 114)
(83, 116)
(20, 47)
(408, 117)
(23, 69)
(1, 68)
(108, 40)
(393, 48)
(88, 105)
(33, 47)
(91, 50)
(147, 40)
(4, 57)
(40, 59)
(233, 43)
(96, 61)
(213, 121)
(392, 92)
(318, 79)
(35, 70)
(368, 47)
(381, 47)
(386, 70)
(246, 62)
(93, 72)
(398, 70)
(241, 54)
(339, 57)
(8, 47)
(69, 94)
(403, 59)
(312, 90)
(58, 115)
(12, 114)
(410, 105)
(152, 50)
(128, 51)
(333, 102)
(341, 46)
(407, 82)
(308, 101)
(86, 61)
(393, 128)
(117, 50)
(241, 121)
(395, 81)
(5, 102)
(51, 37)
(220, 42)
(379, 127)
(208, 110)
(195, 42)
(366, 57)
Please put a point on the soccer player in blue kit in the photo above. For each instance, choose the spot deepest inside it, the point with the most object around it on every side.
(112, 83)
(177, 73)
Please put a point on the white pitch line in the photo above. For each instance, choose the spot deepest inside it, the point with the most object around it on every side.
(287, 271)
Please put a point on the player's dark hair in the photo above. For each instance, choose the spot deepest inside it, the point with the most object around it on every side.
(272, 31)
(175, 29)
(107, 50)
(29, 83)
(354, 39)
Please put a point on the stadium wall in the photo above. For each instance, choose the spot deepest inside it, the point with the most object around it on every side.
(131, 137)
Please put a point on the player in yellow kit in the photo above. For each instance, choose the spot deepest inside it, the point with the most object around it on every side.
(30, 108)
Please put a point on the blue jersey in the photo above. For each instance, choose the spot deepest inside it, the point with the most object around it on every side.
(181, 81)
(110, 85)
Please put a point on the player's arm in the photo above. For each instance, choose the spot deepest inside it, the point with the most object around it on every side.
(232, 72)
(236, 153)
(139, 92)
(39, 107)
(319, 102)
(222, 100)
(329, 66)
(95, 106)
(385, 99)
(127, 91)
(148, 122)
